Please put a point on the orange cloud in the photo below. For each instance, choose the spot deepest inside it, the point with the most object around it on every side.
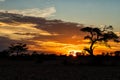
(50, 46)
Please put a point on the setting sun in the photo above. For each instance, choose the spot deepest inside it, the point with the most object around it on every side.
(73, 52)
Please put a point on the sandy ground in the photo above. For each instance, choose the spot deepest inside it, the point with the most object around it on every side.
(37, 71)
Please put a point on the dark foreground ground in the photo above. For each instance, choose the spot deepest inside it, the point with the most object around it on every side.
(18, 70)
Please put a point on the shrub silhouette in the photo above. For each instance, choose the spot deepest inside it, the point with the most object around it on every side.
(4, 53)
(117, 53)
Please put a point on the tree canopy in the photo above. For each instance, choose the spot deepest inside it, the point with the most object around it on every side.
(18, 48)
(96, 35)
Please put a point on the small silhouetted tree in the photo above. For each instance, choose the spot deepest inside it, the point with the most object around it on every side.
(18, 48)
(96, 35)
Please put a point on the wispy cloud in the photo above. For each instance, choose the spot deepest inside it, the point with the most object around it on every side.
(36, 12)
(55, 47)
(118, 33)
(20, 31)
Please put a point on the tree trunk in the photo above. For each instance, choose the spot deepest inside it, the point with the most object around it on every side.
(91, 48)
(17, 52)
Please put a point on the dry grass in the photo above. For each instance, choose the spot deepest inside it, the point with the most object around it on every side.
(12, 70)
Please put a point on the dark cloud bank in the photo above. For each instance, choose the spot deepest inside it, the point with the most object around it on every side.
(62, 32)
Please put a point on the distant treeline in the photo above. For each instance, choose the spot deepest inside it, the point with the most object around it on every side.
(104, 59)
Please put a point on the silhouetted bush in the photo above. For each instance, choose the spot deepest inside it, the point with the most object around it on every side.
(4, 54)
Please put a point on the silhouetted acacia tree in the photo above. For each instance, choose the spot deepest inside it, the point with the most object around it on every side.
(18, 48)
(96, 35)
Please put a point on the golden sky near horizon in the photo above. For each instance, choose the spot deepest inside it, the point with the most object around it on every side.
(53, 26)
(60, 40)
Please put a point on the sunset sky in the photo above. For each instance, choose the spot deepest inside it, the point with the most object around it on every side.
(55, 35)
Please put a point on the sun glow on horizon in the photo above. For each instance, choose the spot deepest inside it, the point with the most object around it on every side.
(74, 52)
